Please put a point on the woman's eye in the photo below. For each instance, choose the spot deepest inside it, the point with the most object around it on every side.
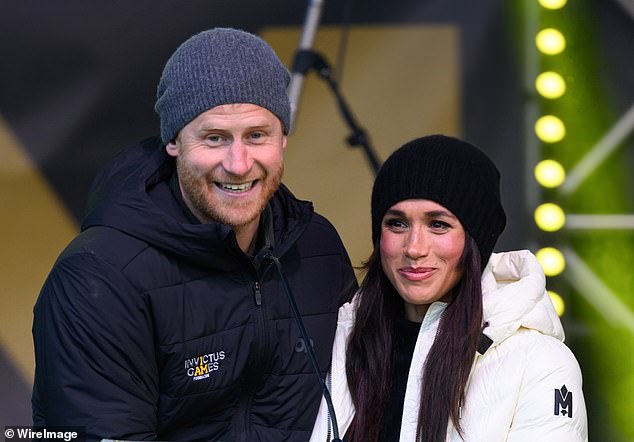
(395, 224)
(439, 225)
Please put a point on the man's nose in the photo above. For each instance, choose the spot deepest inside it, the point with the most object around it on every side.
(237, 160)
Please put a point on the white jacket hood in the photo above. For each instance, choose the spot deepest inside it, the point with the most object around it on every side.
(514, 296)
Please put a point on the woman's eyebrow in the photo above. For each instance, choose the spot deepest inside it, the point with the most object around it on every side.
(431, 213)
(395, 212)
(438, 213)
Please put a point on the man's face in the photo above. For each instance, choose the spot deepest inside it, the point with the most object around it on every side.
(230, 162)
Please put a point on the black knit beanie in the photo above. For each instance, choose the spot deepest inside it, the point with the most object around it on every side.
(450, 172)
(220, 66)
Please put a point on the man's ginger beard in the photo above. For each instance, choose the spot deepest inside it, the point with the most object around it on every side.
(202, 193)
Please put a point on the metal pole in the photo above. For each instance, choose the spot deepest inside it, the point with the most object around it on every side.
(311, 24)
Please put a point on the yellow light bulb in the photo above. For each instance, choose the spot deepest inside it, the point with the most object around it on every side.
(549, 217)
(558, 302)
(550, 41)
(550, 129)
(553, 4)
(549, 173)
(552, 261)
(550, 85)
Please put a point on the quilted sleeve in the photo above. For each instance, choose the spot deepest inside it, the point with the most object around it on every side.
(550, 404)
(95, 363)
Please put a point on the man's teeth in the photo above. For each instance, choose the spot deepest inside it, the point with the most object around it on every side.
(236, 187)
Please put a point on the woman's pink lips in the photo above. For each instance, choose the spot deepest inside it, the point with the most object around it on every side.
(416, 274)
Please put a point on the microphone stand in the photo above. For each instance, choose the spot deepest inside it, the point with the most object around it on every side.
(309, 59)
(306, 59)
(311, 23)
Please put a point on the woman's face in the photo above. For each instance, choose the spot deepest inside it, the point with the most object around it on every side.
(421, 244)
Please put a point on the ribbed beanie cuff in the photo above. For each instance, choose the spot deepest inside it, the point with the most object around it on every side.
(451, 172)
(220, 66)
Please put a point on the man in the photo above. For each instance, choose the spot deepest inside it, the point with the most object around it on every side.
(157, 322)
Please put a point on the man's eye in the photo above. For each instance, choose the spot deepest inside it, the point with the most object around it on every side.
(257, 135)
(214, 138)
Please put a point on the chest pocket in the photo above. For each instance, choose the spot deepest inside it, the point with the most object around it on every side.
(204, 333)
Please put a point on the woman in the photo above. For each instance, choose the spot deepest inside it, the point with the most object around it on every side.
(445, 340)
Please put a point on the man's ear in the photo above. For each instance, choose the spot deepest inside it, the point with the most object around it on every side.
(284, 140)
(171, 148)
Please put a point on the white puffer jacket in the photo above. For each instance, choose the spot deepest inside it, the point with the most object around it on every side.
(525, 387)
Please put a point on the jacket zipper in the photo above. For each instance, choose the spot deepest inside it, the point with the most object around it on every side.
(261, 339)
(257, 294)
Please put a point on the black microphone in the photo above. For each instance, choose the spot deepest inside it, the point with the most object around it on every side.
(264, 258)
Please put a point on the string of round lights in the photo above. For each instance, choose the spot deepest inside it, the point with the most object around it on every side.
(550, 129)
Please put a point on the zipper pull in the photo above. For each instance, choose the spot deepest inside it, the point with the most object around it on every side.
(258, 294)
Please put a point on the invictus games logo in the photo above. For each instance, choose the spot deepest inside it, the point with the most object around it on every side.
(202, 366)
(563, 402)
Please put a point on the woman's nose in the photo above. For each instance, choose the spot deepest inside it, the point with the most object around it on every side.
(417, 245)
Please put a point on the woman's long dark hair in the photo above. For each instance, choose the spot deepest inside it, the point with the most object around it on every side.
(448, 364)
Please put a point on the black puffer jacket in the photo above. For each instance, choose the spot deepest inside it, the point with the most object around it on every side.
(152, 327)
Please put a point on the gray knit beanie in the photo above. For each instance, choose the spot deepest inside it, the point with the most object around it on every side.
(220, 66)
(451, 172)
